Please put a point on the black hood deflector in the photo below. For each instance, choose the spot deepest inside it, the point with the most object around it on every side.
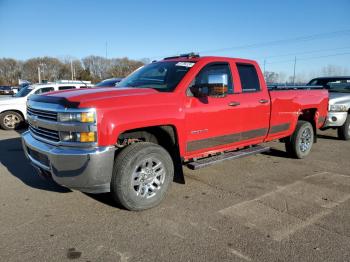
(54, 100)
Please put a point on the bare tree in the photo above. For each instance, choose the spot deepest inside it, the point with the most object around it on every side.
(271, 77)
(94, 68)
(10, 71)
(333, 70)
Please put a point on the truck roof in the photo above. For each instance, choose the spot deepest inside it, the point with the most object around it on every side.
(207, 58)
(195, 57)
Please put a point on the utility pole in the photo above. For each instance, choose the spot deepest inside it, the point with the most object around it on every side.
(106, 49)
(71, 68)
(39, 76)
(295, 64)
(264, 67)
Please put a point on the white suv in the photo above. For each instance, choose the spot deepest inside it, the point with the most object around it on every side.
(13, 110)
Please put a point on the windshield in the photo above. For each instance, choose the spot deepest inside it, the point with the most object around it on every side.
(24, 91)
(333, 84)
(162, 76)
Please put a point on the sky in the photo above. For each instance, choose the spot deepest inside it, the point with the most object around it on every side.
(271, 32)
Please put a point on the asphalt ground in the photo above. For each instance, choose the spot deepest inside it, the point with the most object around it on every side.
(267, 207)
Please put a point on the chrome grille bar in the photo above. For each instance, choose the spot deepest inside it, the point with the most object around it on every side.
(45, 133)
(42, 113)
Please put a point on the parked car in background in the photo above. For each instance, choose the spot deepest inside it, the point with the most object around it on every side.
(339, 103)
(111, 82)
(13, 111)
(180, 110)
(6, 90)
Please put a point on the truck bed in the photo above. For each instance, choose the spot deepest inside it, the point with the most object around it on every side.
(286, 107)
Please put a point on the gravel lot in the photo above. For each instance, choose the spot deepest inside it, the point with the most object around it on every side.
(262, 208)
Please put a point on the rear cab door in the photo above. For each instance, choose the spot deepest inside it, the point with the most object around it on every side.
(254, 101)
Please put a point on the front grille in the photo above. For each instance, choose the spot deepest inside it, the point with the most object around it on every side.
(42, 114)
(48, 134)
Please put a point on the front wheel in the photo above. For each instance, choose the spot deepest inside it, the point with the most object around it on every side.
(141, 176)
(10, 120)
(344, 130)
(300, 143)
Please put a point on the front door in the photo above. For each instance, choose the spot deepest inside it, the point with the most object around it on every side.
(211, 122)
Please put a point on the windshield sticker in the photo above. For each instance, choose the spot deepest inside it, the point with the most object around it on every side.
(185, 64)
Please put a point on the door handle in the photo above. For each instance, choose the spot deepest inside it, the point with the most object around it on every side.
(263, 101)
(234, 103)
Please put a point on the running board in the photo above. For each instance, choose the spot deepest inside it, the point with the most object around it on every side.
(204, 162)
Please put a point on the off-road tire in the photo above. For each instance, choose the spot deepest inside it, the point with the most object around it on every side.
(6, 114)
(344, 130)
(294, 143)
(126, 162)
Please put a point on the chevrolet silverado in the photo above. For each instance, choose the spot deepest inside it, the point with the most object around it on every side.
(187, 109)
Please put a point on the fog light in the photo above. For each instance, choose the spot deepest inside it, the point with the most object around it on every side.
(334, 118)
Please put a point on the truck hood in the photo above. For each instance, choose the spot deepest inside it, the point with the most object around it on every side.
(96, 96)
(9, 100)
(339, 98)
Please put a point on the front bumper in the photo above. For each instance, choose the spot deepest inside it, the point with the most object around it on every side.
(86, 170)
(336, 119)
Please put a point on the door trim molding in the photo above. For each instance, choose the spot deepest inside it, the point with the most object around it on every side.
(233, 138)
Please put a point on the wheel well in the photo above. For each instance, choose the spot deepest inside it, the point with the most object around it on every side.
(165, 136)
(309, 116)
(17, 111)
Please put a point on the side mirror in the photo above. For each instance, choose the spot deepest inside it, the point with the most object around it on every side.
(200, 90)
(218, 85)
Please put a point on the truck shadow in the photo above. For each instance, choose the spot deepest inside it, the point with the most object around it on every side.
(327, 137)
(12, 157)
(105, 198)
(276, 153)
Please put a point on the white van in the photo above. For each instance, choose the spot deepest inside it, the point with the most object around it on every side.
(13, 109)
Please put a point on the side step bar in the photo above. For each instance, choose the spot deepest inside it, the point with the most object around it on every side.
(204, 162)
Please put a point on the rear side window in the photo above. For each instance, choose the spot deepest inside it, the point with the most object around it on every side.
(249, 78)
(44, 90)
(66, 87)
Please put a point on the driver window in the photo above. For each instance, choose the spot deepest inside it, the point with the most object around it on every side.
(212, 75)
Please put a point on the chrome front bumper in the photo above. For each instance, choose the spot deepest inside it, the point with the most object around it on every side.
(336, 119)
(86, 170)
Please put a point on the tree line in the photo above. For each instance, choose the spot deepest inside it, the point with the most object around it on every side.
(96, 68)
(90, 68)
(272, 77)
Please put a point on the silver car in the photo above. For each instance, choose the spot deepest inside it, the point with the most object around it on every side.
(339, 103)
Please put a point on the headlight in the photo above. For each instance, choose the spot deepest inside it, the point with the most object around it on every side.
(338, 108)
(83, 117)
(83, 137)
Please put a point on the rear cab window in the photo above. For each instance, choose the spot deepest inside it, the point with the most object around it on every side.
(66, 87)
(44, 90)
(249, 78)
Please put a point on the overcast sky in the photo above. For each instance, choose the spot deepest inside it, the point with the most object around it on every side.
(317, 32)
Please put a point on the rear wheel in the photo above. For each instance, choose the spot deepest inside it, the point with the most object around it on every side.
(344, 130)
(10, 120)
(141, 176)
(300, 143)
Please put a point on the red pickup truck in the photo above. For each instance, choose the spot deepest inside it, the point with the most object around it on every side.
(188, 109)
